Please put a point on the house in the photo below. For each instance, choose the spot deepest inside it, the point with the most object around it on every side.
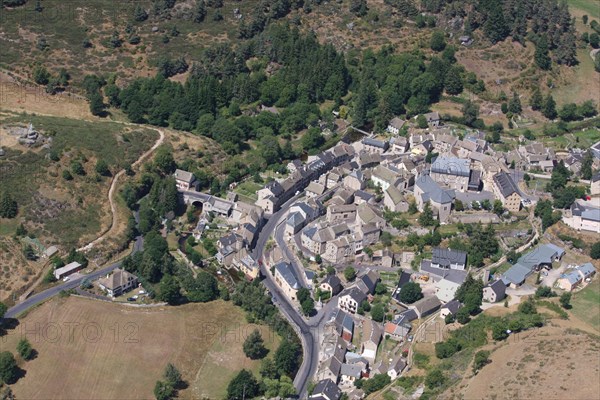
(339, 250)
(355, 180)
(448, 258)
(286, 279)
(349, 373)
(368, 214)
(507, 192)
(247, 265)
(426, 306)
(334, 351)
(595, 185)
(384, 177)
(326, 389)
(451, 172)
(315, 189)
(67, 270)
(428, 191)
(584, 216)
(541, 257)
(495, 291)
(350, 299)
(118, 282)
(294, 165)
(466, 40)
(394, 200)
(344, 325)
(433, 119)
(362, 197)
(456, 275)
(396, 367)
(184, 180)
(371, 336)
(341, 213)
(50, 252)
(368, 282)
(450, 308)
(399, 144)
(395, 125)
(397, 329)
(331, 284)
(371, 145)
(365, 235)
(579, 274)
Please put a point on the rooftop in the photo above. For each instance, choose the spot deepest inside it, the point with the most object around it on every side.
(451, 166)
(286, 271)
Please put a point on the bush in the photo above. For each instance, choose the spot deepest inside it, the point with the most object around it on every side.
(434, 379)
(8, 367)
(481, 359)
(410, 293)
(544, 291)
(24, 349)
(375, 383)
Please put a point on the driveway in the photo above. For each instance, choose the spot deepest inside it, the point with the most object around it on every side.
(553, 275)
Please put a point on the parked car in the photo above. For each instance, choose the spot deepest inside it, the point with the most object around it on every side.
(66, 279)
(131, 299)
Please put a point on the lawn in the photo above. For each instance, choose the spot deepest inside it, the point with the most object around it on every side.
(586, 304)
(248, 189)
(591, 7)
(116, 352)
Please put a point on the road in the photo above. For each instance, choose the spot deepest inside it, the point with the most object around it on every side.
(308, 331)
(14, 311)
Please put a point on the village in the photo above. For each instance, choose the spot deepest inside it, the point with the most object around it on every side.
(338, 210)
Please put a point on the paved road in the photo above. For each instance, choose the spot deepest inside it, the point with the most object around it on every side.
(14, 311)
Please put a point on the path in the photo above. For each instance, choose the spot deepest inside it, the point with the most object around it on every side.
(113, 185)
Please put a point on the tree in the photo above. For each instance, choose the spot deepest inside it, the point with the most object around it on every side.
(169, 290)
(410, 293)
(514, 104)
(438, 41)
(541, 57)
(586, 165)
(28, 252)
(200, 11)
(8, 206)
(8, 367)
(481, 359)
(426, 217)
(254, 347)
(287, 357)
(594, 40)
(358, 7)
(453, 82)
(565, 300)
(549, 107)
(163, 391)
(463, 316)
(435, 378)
(378, 312)
(139, 14)
(24, 349)
(377, 382)
(41, 76)
(595, 251)
(422, 121)
(308, 306)
(498, 207)
(527, 307)
(201, 289)
(102, 168)
(349, 274)
(544, 291)
(173, 376)
(537, 100)
(97, 106)
(164, 161)
(470, 112)
(3, 310)
(243, 386)
(77, 168)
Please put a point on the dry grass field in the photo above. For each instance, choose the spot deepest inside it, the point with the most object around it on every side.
(89, 349)
(553, 362)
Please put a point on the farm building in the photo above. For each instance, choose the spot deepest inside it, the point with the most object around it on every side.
(67, 270)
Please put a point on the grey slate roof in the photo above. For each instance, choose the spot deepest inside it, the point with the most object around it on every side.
(445, 257)
(343, 321)
(505, 184)
(498, 287)
(185, 176)
(375, 143)
(355, 293)
(432, 191)
(327, 389)
(451, 166)
(334, 282)
(589, 213)
(285, 269)
(453, 275)
(452, 306)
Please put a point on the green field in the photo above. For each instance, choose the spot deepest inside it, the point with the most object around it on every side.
(586, 304)
(64, 211)
(591, 7)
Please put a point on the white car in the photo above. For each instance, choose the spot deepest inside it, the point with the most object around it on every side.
(66, 278)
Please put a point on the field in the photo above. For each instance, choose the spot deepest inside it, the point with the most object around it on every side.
(548, 363)
(57, 210)
(120, 352)
(586, 304)
(589, 7)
